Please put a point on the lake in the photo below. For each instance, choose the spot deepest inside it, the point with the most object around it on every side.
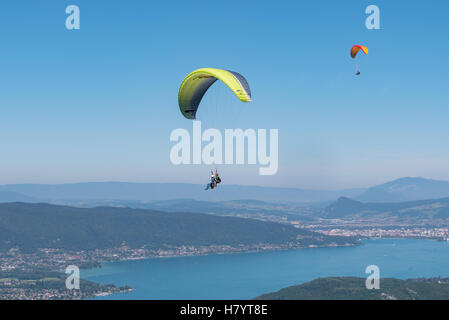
(248, 275)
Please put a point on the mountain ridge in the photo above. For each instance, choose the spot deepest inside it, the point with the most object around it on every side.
(399, 190)
(170, 191)
(406, 189)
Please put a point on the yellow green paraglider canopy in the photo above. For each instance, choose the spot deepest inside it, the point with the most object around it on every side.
(199, 81)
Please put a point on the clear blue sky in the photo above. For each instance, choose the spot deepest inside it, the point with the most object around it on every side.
(98, 104)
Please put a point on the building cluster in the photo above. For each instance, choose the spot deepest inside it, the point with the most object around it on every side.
(385, 232)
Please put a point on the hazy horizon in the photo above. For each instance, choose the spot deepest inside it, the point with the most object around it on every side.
(228, 184)
(201, 184)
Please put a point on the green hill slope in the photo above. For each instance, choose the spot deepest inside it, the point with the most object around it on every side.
(351, 288)
(33, 226)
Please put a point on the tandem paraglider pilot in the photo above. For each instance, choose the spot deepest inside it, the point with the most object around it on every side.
(214, 180)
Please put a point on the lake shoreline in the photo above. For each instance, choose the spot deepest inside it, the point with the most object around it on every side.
(220, 253)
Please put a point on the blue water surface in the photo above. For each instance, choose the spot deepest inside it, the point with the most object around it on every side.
(248, 275)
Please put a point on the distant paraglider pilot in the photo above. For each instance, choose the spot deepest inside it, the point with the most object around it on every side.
(354, 50)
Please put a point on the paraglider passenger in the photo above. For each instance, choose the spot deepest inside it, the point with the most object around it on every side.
(212, 183)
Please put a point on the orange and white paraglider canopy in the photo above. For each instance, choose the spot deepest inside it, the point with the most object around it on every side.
(355, 49)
